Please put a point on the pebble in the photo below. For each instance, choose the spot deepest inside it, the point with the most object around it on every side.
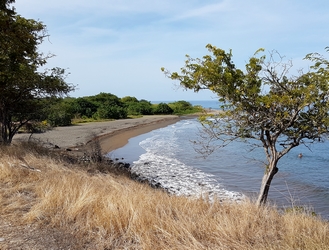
(2, 239)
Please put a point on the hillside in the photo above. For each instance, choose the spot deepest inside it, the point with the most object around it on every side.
(48, 202)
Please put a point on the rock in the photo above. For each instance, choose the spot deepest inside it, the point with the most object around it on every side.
(2, 239)
(122, 165)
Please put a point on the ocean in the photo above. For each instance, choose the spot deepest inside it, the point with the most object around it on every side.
(167, 157)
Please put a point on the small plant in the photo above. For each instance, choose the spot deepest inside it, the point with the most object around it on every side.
(300, 210)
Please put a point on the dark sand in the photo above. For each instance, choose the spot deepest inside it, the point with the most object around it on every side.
(110, 134)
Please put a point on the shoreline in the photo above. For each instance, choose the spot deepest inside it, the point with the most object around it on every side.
(119, 138)
(111, 135)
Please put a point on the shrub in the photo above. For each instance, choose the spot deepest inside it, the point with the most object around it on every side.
(163, 108)
(110, 112)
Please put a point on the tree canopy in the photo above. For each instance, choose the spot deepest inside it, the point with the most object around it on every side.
(163, 108)
(263, 102)
(23, 85)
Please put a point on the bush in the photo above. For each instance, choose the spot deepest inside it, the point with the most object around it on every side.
(59, 118)
(181, 106)
(110, 112)
(139, 108)
(59, 112)
(84, 108)
(163, 108)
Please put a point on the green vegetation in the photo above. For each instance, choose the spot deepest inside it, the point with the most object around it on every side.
(59, 112)
(91, 206)
(105, 106)
(136, 107)
(36, 99)
(184, 107)
(25, 88)
(163, 108)
(293, 111)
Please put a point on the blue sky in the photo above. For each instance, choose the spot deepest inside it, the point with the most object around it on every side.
(119, 46)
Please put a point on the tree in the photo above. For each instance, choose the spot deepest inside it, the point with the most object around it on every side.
(129, 99)
(136, 107)
(22, 84)
(163, 108)
(107, 98)
(109, 106)
(5, 7)
(108, 111)
(145, 107)
(60, 112)
(264, 102)
(83, 107)
(181, 106)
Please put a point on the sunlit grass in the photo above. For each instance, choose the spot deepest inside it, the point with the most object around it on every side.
(86, 120)
(107, 211)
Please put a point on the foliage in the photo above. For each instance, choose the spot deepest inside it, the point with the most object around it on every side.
(100, 106)
(136, 107)
(145, 107)
(105, 98)
(300, 210)
(83, 107)
(180, 106)
(60, 112)
(59, 118)
(163, 108)
(22, 84)
(105, 106)
(294, 110)
(107, 111)
(109, 106)
(184, 107)
(129, 99)
(140, 108)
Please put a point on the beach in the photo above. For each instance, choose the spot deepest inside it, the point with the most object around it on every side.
(169, 160)
(110, 134)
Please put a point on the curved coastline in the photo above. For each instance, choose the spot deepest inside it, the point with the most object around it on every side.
(111, 134)
(120, 137)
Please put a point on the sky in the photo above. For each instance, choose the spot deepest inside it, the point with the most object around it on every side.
(119, 46)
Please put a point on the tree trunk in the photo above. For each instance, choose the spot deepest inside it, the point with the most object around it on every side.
(266, 182)
(6, 136)
(3, 125)
(4, 133)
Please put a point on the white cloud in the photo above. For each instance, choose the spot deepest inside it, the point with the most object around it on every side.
(119, 45)
(202, 12)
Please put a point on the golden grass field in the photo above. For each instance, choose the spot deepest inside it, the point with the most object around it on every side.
(48, 203)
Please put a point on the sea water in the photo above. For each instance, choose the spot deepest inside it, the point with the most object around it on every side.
(167, 157)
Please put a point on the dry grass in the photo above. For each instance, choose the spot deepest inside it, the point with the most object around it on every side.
(104, 211)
